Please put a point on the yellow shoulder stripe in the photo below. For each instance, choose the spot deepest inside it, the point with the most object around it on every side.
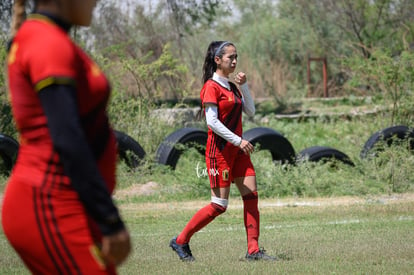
(54, 81)
(12, 53)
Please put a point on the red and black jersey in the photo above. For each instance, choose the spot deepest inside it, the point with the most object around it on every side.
(229, 108)
(62, 181)
(59, 98)
(42, 54)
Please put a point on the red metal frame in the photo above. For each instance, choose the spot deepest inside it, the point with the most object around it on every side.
(324, 74)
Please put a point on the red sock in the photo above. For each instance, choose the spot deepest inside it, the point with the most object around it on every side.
(200, 219)
(252, 221)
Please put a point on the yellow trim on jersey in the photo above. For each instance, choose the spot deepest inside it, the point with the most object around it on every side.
(97, 255)
(53, 80)
(12, 54)
(95, 70)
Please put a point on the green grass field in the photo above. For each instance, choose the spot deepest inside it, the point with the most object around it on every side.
(343, 235)
(316, 218)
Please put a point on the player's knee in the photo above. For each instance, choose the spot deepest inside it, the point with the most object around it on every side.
(219, 205)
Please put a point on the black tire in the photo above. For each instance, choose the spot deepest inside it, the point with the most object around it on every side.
(322, 153)
(269, 139)
(129, 149)
(386, 137)
(9, 148)
(171, 148)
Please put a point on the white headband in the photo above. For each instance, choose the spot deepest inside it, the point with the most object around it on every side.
(222, 45)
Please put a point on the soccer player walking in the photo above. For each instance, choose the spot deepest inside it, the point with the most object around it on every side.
(227, 153)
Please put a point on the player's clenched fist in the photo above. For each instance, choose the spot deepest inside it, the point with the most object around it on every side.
(240, 78)
(116, 247)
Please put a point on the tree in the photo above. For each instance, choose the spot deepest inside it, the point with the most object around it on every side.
(137, 33)
(391, 76)
(362, 24)
(342, 29)
(274, 46)
(188, 13)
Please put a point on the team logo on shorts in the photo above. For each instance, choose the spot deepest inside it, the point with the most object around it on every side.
(225, 175)
(97, 255)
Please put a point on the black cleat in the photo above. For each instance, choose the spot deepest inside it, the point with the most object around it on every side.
(183, 251)
(260, 256)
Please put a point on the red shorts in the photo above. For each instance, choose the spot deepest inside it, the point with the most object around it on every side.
(222, 170)
(50, 230)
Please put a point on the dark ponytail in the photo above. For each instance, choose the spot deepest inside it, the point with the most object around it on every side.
(18, 17)
(216, 48)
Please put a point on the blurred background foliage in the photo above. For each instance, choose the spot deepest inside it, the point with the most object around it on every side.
(153, 51)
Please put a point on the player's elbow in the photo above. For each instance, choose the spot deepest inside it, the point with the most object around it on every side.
(250, 112)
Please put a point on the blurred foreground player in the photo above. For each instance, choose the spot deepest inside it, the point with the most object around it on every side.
(58, 213)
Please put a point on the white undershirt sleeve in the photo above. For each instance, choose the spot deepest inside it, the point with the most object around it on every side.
(248, 103)
(218, 127)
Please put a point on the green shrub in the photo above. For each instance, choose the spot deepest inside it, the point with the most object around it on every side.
(389, 75)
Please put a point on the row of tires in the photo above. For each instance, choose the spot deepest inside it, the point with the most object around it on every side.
(281, 150)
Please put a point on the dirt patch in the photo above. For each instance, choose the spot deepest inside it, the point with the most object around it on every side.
(340, 200)
(137, 190)
(235, 203)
